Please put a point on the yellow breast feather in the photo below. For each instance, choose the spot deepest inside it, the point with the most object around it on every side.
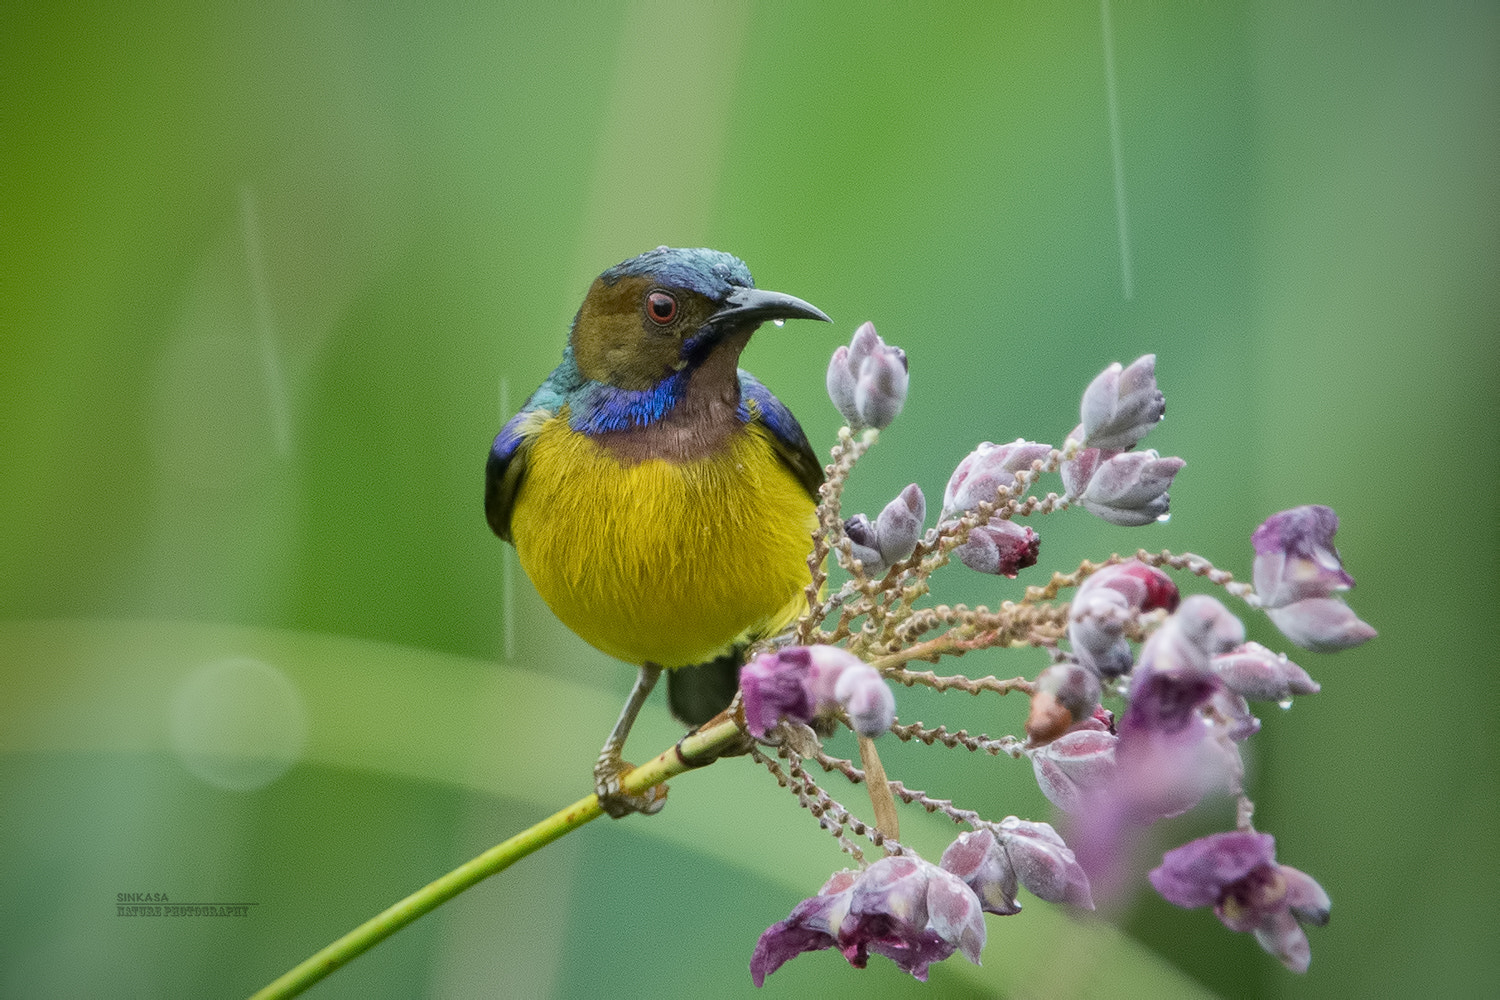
(663, 562)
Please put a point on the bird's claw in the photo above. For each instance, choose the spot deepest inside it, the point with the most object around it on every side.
(607, 776)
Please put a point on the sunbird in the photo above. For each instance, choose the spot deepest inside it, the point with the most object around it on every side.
(660, 498)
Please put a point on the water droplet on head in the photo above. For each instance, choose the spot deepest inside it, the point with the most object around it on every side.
(779, 322)
(1164, 518)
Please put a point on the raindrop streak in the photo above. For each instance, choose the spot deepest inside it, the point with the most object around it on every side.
(1127, 283)
(275, 378)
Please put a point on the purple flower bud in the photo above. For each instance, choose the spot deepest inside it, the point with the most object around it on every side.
(1096, 629)
(907, 909)
(865, 540)
(1077, 471)
(1066, 694)
(976, 858)
(1199, 630)
(774, 687)
(1175, 748)
(1297, 572)
(1121, 406)
(1171, 753)
(864, 343)
(1197, 873)
(826, 664)
(1130, 489)
(804, 682)
(1236, 873)
(841, 385)
(1259, 674)
(1281, 935)
(1146, 588)
(954, 913)
(867, 380)
(1043, 863)
(1001, 548)
(1209, 624)
(1305, 897)
(1321, 624)
(867, 698)
(890, 914)
(1231, 714)
(985, 470)
(995, 858)
(1165, 703)
(1106, 601)
(1295, 557)
(1074, 766)
(880, 387)
(899, 526)
(812, 926)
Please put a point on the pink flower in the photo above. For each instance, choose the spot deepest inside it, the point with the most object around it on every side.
(1127, 488)
(1236, 873)
(1105, 603)
(1075, 767)
(1295, 557)
(994, 859)
(892, 536)
(981, 474)
(1298, 574)
(909, 910)
(1001, 547)
(867, 380)
(1259, 674)
(804, 682)
(1121, 405)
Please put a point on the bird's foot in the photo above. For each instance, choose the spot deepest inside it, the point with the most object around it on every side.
(608, 773)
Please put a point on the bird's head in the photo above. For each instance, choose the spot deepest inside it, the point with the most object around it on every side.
(669, 310)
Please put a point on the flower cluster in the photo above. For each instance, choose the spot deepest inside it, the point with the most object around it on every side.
(1137, 712)
(1236, 873)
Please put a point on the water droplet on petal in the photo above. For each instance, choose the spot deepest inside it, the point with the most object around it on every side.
(1284, 703)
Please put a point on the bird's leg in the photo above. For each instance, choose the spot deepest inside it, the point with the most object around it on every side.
(610, 768)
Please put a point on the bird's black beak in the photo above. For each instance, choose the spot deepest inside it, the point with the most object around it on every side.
(745, 306)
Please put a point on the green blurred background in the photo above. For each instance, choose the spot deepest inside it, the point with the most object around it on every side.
(273, 275)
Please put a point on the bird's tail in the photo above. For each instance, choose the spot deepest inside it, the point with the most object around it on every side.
(698, 693)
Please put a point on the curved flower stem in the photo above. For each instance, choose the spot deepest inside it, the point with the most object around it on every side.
(879, 789)
(692, 751)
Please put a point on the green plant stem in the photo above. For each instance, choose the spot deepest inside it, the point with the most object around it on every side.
(692, 751)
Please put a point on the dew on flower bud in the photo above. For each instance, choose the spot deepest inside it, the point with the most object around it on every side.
(1181, 664)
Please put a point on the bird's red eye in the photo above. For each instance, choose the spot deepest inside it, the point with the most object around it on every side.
(661, 307)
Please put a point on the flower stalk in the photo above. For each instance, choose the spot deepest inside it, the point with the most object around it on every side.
(691, 752)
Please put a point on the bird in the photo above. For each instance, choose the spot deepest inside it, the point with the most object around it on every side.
(661, 499)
